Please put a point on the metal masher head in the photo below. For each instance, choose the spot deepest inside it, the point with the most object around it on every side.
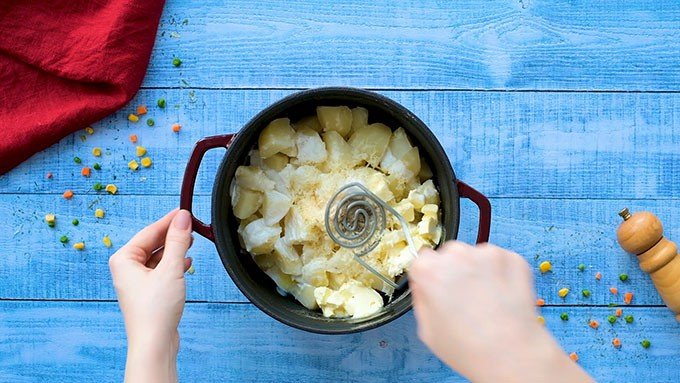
(356, 218)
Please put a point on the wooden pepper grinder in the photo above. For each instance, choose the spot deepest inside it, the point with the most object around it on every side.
(642, 234)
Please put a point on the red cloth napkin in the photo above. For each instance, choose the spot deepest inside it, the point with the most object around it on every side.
(65, 64)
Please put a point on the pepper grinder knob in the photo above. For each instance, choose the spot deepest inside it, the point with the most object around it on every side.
(642, 234)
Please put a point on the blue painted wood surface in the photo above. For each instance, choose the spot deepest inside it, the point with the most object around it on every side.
(561, 111)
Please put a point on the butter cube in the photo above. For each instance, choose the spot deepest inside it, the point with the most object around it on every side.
(429, 191)
(426, 227)
(377, 183)
(417, 199)
(406, 209)
(430, 210)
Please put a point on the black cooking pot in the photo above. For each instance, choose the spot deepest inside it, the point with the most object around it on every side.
(247, 276)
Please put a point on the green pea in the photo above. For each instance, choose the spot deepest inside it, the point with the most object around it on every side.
(77, 160)
(564, 316)
(63, 239)
(96, 166)
(150, 122)
(586, 293)
(50, 224)
(623, 277)
(75, 222)
(611, 319)
(645, 343)
(98, 186)
(161, 103)
(176, 61)
(629, 318)
(581, 267)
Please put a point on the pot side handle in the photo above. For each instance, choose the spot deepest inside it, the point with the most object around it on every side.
(189, 180)
(466, 191)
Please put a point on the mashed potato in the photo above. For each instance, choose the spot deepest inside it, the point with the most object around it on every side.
(280, 199)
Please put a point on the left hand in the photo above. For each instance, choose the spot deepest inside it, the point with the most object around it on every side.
(151, 294)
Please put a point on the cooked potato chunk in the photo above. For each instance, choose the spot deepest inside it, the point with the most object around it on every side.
(276, 162)
(252, 177)
(335, 118)
(425, 171)
(371, 142)
(277, 137)
(310, 148)
(259, 237)
(309, 122)
(286, 257)
(275, 206)
(359, 118)
(245, 202)
(340, 154)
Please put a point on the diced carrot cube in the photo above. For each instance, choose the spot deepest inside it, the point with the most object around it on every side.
(627, 298)
(85, 172)
(141, 110)
(68, 194)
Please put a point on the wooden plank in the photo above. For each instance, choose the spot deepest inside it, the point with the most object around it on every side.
(566, 232)
(472, 44)
(85, 342)
(541, 145)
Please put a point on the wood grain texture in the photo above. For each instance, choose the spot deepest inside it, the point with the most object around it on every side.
(565, 232)
(85, 342)
(526, 145)
(471, 44)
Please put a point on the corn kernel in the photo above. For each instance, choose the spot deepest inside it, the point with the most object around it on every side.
(133, 165)
(540, 320)
(146, 162)
(89, 130)
(545, 266)
(99, 213)
(563, 292)
(96, 152)
(79, 245)
(140, 151)
(191, 270)
(50, 219)
(111, 188)
(133, 118)
(107, 241)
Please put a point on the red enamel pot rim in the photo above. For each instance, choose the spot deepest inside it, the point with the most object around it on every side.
(247, 276)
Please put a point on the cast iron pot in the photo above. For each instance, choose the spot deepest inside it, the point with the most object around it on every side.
(247, 276)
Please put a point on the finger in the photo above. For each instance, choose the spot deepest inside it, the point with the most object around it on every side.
(188, 261)
(177, 242)
(143, 244)
(456, 248)
(158, 255)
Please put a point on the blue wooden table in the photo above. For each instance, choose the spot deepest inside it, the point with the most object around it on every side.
(562, 112)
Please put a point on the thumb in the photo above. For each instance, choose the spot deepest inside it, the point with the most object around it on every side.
(177, 242)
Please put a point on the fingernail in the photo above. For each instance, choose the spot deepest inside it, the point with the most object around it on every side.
(182, 220)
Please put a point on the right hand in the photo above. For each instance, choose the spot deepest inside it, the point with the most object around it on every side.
(475, 308)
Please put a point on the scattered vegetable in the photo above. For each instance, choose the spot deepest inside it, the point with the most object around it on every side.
(629, 319)
(68, 194)
(611, 319)
(49, 175)
(616, 342)
(586, 293)
(623, 277)
(540, 320)
(99, 213)
(545, 267)
(141, 110)
(111, 188)
(618, 312)
(77, 160)
(140, 151)
(646, 343)
(598, 276)
(191, 270)
(176, 61)
(627, 298)
(133, 165)
(161, 103)
(96, 166)
(146, 162)
(97, 186)
(133, 118)
(613, 290)
(581, 267)
(51, 219)
(79, 245)
(540, 302)
(563, 292)
(176, 128)
(89, 130)
(63, 239)
(85, 171)
(107, 241)
(75, 222)
(573, 356)
(593, 324)
(150, 121)
(564, 316)
(96, 152)
(133, 138)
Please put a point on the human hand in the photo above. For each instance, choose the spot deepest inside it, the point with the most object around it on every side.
(475, 308)
(151, 294)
